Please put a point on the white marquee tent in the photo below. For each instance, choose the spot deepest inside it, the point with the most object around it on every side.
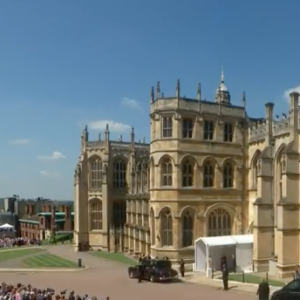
(239, 245)
(6, 226)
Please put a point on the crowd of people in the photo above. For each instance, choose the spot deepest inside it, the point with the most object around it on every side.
(28, 292)
(6, 242)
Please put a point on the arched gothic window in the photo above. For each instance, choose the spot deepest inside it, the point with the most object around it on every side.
(119, 178)
(187, 174)
(96, 215)
(167, 228)
(96, 174)
(187, 230)
(167, 170)
(228, 176)
(219, 223)
(209, 174)
(119, 214)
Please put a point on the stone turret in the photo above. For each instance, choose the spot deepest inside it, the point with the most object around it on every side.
(222, 93)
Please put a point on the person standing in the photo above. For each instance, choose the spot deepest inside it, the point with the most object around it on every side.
(263, 291)
(182, 268)
(225, 275)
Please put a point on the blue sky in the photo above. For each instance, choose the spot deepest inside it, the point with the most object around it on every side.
(64, 64)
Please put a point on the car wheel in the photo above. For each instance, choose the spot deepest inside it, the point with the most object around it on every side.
(152, 279)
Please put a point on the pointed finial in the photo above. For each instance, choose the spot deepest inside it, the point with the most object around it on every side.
(120, 138)
(152, 94)
(144, 140)
(132, 135)
(99, 137)
(158, 89)
(222, 75)
(178, 88)
(107, 127)
(199, 92)
(86, 133)
(244, 99)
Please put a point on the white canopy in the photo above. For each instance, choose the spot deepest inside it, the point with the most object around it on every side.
(239, 245)
(226, 240)
(6, 226)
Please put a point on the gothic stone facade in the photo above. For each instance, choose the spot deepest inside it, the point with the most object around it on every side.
(210, 170)
(106, 177)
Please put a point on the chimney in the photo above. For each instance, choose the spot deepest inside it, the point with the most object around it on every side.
(68, 212)
(32, 209)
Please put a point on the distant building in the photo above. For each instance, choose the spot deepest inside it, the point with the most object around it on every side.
(50, 218)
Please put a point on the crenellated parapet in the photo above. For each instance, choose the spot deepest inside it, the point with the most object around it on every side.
(257, 130)
(281, 127)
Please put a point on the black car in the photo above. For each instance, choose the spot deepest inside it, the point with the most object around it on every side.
(155, 270)
(290, 291)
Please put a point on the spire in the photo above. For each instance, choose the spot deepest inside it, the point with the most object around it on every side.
(199, 92)
(222, 93)
(107, 132)
(222, 76)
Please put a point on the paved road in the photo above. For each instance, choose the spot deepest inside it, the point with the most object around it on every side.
(108, 278)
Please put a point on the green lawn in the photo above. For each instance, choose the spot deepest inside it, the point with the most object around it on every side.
(251, 278)
(119, 257)
(48, 261)
(16, 253)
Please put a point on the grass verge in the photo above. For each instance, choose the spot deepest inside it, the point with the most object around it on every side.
(118, 257)
(48, 261)
(251, 278)
(16, 253)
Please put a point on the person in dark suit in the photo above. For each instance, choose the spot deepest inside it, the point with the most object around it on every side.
(225, 275)
(223, 261)
(263, 291)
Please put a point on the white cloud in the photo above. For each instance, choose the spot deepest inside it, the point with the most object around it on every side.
(56, 155)
(286, 94)
(131, 103)
(48, 174)
(19, 142)
(44, 173)
(113, 126)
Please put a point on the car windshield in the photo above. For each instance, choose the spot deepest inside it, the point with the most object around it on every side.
(162, 264)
